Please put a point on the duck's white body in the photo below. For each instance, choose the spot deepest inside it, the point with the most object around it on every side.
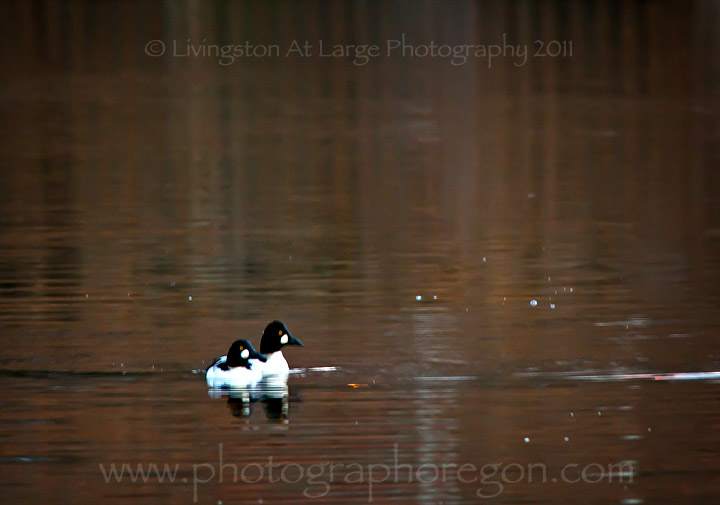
(236, 377)
(276, 365)
(275, 373)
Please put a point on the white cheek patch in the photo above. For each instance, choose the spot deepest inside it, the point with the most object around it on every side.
(245, 354)
(284, 339)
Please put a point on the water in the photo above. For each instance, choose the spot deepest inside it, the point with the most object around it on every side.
(400, 216)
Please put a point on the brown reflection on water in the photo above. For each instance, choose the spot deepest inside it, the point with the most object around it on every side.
(153, 209)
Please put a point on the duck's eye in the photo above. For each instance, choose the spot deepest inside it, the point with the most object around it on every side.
(284, 339)
(280, 332)
(245, 354)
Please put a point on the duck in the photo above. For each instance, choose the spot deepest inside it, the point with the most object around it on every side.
(275, 337)
(236, 370)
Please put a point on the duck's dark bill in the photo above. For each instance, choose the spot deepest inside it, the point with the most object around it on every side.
(256, 355)
(293, 341)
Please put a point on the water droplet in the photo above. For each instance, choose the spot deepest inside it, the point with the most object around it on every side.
(189, 298)
(567, 439)
(435, 297)
(484, 259)
(533, 303)
(418, 298)
(572, 414)
(527, 440)
(552, 305)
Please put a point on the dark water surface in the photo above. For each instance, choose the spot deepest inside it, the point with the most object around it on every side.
(498, 257)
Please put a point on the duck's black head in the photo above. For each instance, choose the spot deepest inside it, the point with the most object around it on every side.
(240, 352)
(275, 337)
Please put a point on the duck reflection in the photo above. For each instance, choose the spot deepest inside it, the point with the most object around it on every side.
(241, 401)
(240, 406)
(275, 400)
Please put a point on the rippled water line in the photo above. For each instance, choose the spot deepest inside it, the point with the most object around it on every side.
(680, 376)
